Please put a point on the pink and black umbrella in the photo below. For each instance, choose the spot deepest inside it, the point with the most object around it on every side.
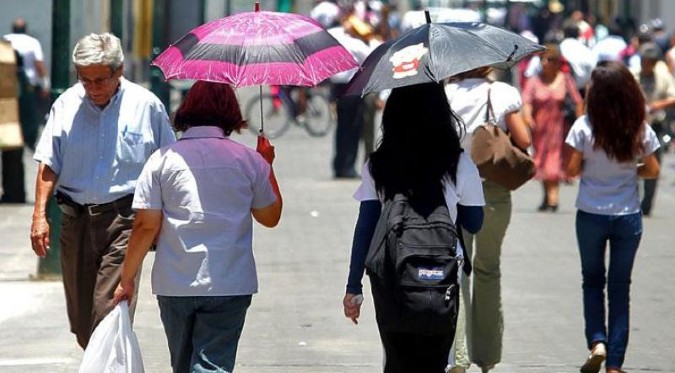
(255, 48)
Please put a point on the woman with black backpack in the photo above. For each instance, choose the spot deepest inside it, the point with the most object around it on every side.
(419, 156)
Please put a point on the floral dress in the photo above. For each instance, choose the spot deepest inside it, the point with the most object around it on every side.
(548, 127)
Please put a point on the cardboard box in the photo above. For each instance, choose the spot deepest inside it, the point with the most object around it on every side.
(8, 82)
(11, 136)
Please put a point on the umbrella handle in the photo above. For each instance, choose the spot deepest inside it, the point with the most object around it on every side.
(261, 108)
(427, 15)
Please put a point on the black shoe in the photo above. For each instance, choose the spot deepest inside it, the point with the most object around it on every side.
(546, 207)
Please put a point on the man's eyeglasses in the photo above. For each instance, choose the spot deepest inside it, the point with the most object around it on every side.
(98, 82)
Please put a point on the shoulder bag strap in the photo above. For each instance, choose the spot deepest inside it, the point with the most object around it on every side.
(489, 113)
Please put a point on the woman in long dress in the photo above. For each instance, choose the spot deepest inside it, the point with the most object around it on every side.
(543, 99)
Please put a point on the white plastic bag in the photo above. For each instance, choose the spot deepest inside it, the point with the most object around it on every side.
(113, 347)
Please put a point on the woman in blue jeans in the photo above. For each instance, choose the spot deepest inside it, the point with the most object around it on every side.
(612, 147)
(197, 199)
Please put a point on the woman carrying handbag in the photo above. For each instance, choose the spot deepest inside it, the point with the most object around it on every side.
(480, 307)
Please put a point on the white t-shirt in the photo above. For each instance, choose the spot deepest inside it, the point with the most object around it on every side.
(609, 48)
(31, 51)
(467, 192)
(607, 187)
(581, 60)
(468, 99)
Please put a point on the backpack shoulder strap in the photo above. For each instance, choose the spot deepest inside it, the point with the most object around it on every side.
(396, 208)
(376, 257)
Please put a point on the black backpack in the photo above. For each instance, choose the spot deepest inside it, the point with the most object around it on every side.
(412, 266)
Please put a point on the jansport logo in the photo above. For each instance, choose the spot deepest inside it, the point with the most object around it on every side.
(430, 273)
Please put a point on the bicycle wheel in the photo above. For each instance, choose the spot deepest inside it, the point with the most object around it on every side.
(276, 119)
(319, 116)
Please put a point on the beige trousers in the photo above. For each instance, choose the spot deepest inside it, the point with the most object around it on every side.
(480, 322)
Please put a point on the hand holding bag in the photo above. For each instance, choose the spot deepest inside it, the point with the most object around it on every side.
(113, 347)
(496, 157)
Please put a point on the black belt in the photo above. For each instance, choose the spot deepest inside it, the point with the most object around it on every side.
(70, 207)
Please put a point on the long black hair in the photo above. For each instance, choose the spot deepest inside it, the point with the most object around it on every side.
(420, 143)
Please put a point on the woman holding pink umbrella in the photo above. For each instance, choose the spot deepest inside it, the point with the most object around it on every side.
(197, 199)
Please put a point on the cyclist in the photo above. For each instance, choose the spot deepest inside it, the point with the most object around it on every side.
(300, 101)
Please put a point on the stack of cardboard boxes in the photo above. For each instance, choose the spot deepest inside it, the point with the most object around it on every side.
(10, 128)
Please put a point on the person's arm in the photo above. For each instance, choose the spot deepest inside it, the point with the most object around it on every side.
(649, 168)
(44, 78)
(574, 163)
(147, 224)
(520, 135)
(665, 103)
(269, 216)
(527, 103)
(369, 213)
(528, 119)
(470, 218)
(39, 231)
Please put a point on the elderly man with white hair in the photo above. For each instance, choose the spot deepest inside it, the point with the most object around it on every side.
(99, 134)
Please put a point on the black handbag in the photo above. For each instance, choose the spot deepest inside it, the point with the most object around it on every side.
(496, 157)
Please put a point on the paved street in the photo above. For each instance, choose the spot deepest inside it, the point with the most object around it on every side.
(296, 324)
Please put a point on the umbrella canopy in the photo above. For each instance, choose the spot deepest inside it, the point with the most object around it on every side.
(435, 51)
(255, 48)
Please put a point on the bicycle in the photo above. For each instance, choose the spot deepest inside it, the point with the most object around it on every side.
(280, 110)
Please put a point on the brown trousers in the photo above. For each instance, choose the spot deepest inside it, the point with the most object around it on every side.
(92, 252)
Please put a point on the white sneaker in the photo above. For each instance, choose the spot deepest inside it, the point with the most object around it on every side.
(595, 360)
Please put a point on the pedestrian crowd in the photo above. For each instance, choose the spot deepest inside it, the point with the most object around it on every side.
(593, 109)
(543, 110)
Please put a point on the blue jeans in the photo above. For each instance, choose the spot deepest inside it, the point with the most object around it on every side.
(203, 332)
(623, 232)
